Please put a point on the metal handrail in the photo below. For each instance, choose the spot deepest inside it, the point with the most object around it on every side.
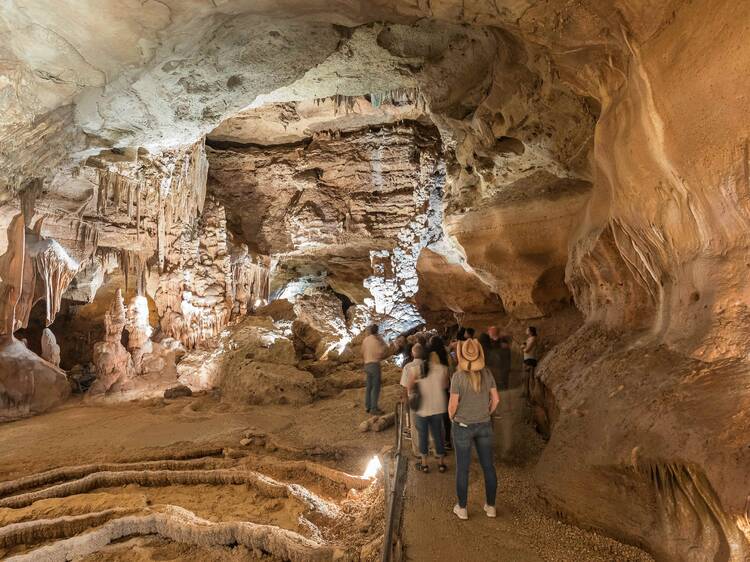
(393, 488)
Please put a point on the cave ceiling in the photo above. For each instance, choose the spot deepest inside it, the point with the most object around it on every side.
(512, 125)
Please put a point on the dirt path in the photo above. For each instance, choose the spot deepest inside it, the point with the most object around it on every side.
(522, 532)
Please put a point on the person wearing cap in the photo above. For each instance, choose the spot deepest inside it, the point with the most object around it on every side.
(473, 399)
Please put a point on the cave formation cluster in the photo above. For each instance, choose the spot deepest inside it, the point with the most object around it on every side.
(169, 168)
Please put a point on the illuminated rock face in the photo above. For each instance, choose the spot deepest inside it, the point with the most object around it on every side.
(193, 296)
(359, 205)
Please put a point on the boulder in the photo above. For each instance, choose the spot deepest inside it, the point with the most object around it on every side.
(253, 382)
(280, 309)
(29, 385)
(178, 391)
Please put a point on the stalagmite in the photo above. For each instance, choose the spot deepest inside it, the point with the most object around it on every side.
(50, 349)
(113, 363)
(139, 331)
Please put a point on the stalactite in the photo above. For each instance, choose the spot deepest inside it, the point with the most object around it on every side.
(105, 192)
(124, 263)
(133, 263)
(161, 235)
(399, 96)
(57, 269)
(28, 197)
(100, 190)
(111, 183)
(130, 201)
(140, 275)
(138, 212)
(117, 191)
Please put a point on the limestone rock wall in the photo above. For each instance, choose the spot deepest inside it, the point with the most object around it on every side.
(193, 297)
(356, 208)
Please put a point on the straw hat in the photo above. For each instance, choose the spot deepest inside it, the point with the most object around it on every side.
(470, 355)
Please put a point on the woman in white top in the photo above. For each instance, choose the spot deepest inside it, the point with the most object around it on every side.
(410, 369)
(432, 381)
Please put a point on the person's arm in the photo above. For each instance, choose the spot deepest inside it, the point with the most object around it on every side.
(453, 405)
(494, 400)
(532, 344)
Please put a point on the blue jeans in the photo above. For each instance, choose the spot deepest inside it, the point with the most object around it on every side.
(372, 386)
(480, 434)
(433, 424)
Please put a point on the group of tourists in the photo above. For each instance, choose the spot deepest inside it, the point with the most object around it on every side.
(452, 392)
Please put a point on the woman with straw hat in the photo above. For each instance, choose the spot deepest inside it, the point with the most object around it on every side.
(473, 398)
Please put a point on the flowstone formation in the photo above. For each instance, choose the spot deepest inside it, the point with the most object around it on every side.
(28, 384)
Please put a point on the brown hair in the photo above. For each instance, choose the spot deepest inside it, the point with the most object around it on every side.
(475, 379)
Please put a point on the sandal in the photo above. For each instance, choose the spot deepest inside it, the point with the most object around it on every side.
(423, 467)
(442, 467)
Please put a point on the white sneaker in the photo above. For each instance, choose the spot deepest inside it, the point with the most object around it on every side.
(460, 512)
(490, 510)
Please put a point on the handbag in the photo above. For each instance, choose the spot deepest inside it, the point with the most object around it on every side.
(415, 398)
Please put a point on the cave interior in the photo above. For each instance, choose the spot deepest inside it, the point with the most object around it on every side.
(205, 205)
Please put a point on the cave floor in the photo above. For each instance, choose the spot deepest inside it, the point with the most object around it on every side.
(522, 532)
(326, 432)
(140, 430)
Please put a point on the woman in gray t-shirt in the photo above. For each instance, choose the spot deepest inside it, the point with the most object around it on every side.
(473, 398)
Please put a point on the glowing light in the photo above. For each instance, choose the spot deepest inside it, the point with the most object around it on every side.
(373, 467)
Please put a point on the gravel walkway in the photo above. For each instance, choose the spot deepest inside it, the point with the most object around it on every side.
(522, 531)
